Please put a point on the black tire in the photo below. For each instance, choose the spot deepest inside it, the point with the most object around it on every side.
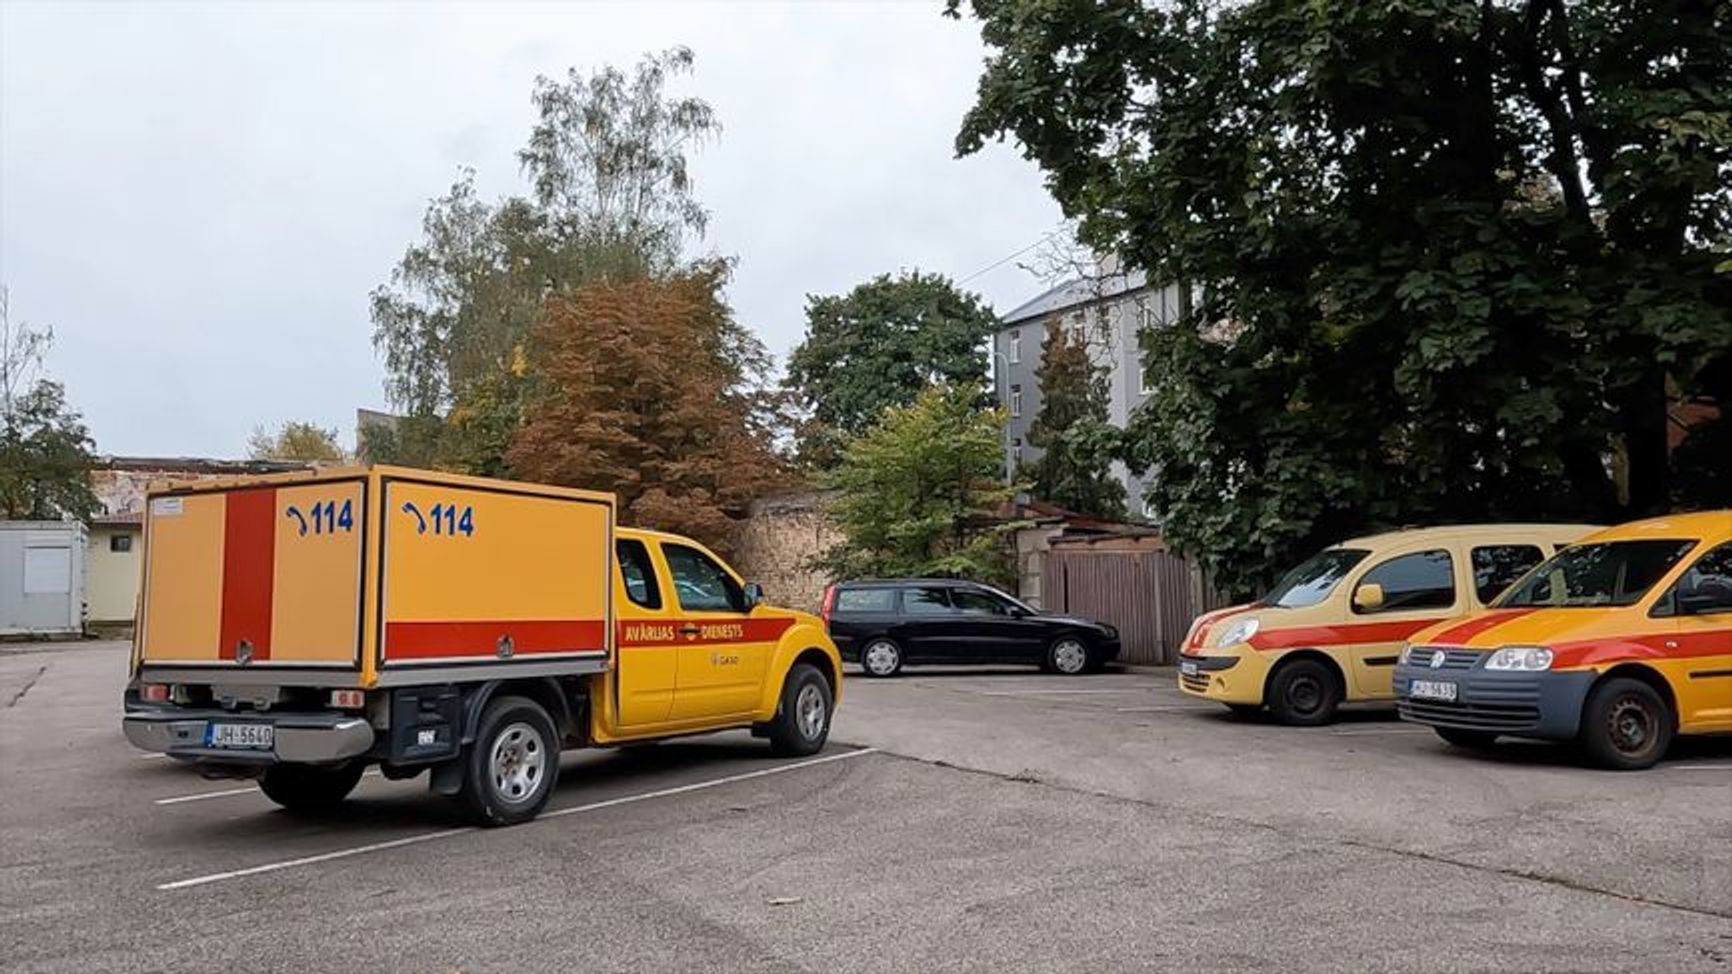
(1245, 711)
(1471, 739)
(885, 645)
(511, 770)
(310, 788)
(802, 723)
(1304, 693)
(1070, 656)
(1626, 725)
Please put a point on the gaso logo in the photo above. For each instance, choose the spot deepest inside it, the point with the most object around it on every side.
(648, 634)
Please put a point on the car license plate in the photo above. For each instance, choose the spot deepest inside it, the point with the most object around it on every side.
(1431, 690)
(239, 735)
(1189, 669)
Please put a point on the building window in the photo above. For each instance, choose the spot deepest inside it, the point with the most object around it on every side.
(1143, 385)
(1014, 346)
(120, 543)
(1015, 401)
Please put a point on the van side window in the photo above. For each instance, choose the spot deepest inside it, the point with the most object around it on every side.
(700, 584)
(1496, 567)
(637, 571)
(925, 602)
(1706, 589)
(1422, 580)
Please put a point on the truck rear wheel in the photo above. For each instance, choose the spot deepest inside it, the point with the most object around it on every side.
(510, 771)
(310, 788)
(802, 723)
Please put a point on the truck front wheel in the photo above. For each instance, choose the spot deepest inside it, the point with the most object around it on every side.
(802, 723)
(310, 788)
(510, 771)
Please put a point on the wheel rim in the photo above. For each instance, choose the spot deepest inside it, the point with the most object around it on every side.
(881, 658)
(1069, 656)
(1304, 694)
(809, 712)
(519, 763)
(1631, 725)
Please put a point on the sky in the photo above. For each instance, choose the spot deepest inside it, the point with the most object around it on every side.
(198, 198)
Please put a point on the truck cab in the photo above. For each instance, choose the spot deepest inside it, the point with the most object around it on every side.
(298, 629)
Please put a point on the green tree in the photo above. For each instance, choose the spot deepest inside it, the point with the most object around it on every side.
(1451, 254)
(44, 446)
(877, 346)
(610, 200)
(918, 494)
(296, 440)
(1074, 396)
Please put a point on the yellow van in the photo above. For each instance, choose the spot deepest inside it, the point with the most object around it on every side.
(1332, 629)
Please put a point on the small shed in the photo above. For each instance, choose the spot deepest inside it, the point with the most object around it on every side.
(41, 578)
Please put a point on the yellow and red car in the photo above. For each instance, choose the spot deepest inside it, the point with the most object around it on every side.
(1618, 643)
(1332, 628)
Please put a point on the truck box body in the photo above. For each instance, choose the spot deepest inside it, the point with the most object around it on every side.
(373, 576)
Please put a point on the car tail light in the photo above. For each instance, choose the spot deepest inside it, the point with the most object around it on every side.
(348, 699)
(829, 603)
(153, 692)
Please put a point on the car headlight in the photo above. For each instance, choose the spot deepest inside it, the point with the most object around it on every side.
(1406, 656)
(1238, 632)
(1520, 658)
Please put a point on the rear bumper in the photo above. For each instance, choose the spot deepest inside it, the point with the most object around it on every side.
(1545, 705)
(305, 738)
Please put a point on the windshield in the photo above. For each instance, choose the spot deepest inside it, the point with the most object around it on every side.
(1610, 573)
(1314, 579)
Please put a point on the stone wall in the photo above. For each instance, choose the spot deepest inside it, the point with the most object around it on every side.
(776, 541)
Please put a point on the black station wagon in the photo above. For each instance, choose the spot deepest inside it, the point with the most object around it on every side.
(885, 623)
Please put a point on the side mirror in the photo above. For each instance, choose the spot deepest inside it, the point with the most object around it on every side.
(1368, 596)
(1706, 597)
(755, 595)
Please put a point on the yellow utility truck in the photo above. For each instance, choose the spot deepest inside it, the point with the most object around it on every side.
(299, 628)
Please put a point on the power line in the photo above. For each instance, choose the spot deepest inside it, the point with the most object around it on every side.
(1011, 256)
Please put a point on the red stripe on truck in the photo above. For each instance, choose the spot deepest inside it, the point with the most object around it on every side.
(249, 567)
(433, 640)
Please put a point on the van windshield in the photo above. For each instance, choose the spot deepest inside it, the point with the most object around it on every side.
(1609, 573)
(1314, 579)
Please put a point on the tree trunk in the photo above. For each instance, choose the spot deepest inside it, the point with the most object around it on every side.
(1643, 419)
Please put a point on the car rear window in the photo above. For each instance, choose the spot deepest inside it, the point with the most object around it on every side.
(866, 600)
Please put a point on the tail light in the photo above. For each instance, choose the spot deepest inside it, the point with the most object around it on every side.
(348, 699)
(153, 692)
(829, 603)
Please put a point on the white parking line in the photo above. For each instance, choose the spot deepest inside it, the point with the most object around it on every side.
(1175, 708)
(229, 793)
(1697, 767)
(1376, 731)
(1043, 693)
(447, 833)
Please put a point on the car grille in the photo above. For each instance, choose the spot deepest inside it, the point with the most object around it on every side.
(1195, 681)
(1453, 659)
(1476, 716)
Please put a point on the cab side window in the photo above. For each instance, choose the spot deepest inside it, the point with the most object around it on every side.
(1422, 580)
(638, 573)
(1496, 567)
(1706, 589)
(700, 584)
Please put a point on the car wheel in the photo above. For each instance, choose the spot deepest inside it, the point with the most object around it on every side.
(881, 657)
(513, 766)
(1304, 693)
(310, 788)
(1626, 725)
(1471, 739)
(1067, 655)
(802, 723)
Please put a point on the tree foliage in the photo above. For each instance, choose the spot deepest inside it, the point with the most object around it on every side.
(44, 446)
(1451, 256)
(1074, 399)
(878, 346)
(918, 493)
(650, 389)
(610, 200)
(296, 440)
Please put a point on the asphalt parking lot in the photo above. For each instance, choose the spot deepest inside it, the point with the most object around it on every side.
(959, 821)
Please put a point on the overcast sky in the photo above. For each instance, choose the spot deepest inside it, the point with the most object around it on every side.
(199, 197)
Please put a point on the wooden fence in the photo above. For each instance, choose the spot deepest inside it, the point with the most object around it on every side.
(1151, 596)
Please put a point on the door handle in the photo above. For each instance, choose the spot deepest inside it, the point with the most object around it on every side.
(689, 630)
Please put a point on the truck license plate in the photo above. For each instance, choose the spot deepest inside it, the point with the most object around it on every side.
(1431, 690)
(239, 735)
(1189, 669)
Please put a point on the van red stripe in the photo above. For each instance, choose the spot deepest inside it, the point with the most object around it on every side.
(249, 566)
(433, 640)
(1343, 635)
(1459, 635)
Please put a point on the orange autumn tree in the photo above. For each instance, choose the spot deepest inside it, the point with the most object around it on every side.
(648, 388)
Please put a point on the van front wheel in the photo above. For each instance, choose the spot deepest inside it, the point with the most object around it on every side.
(802, 723)
(1304, 693)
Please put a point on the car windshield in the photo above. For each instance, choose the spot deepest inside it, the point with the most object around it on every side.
(1314, 579)
(1609, 573)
